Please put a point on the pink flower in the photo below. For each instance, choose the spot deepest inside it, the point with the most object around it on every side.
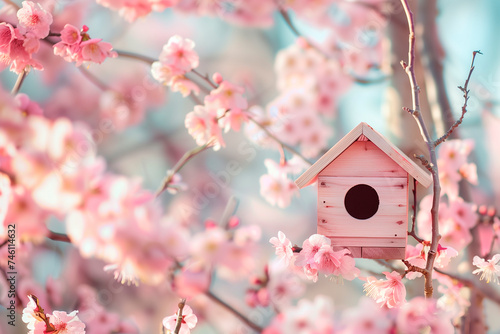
(184, 86)
(283, 247)
(34, 19)
(202, 125)
(6, 37)
(422, 315)
(275, 187)
(96, 51)
(179, 55)
(390, 292)
(415, 256)
(310, 247)
(31, 314)
(189, 320)
(444, 255)
(226, 97)
(489, 270)
(70, 35)
(67, 323)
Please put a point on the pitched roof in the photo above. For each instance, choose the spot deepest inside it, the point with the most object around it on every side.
(380, 141)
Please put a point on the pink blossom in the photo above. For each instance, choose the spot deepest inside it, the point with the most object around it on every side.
(444, 255)
(70, 35)
(95, 51)
(227, 96)
(275, 187)
(7, 35)
(390, 292)
(79, 47)
(489, 270)
(366, 318)
(310, 247)
(31, 314)
(184, 86)
(189, 320)
(415, 256)
(283, 247)
(202, 125)
(33, 18)
(190, 282)
(179, 55)
(422, 315)
(67, 323)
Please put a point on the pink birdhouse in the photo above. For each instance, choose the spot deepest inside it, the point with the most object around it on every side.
(363, 194)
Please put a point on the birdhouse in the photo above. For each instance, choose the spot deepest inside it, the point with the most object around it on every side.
(363, 194)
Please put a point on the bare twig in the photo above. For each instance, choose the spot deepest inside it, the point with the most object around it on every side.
(19, 82)
(136, 56)
(465, 90)
(237, 314)
(92, 78)
(58, 237)
(178, 324)
(204, 78)
(411, 268)
(178, 166)
(410, 71)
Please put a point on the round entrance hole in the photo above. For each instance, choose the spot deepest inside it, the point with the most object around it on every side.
(361, 201)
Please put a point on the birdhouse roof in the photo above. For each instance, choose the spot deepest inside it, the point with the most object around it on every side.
(422, 176)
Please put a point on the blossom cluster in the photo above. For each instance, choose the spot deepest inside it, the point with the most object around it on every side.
(57, 322)
(77, 46)
(417, 316)
(17, 45)
(316, 256)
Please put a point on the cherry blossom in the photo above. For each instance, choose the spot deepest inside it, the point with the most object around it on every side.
(489, 270)
(421, 314)
(65, 323)
(176, 59)
(310, 247)
(390, 292)
(5, 193)
(34, 19)
(283, 247)
(202, 125)
(275, 186)
(82, 49)
(189, 320)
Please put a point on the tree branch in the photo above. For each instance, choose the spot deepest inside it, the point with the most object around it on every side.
(181, 163)
(410, 71)
(465, 90)
(178, 324)
(58, 237)
(19, 82)
(237, 314)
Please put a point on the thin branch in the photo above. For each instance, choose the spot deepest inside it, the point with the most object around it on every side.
(136, 56)
(178, 166)
(12, 3)
(288, 147)
(58, 237)
(465, 90)
(386, 264)
(19, 82)
(178, 324)
(92, 78)
(432, 164)
(411, 268)
(204, 78)
(237, 314)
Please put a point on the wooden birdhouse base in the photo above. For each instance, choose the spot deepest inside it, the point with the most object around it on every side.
(386, 253)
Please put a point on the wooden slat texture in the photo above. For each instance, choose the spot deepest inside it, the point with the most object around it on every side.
(422, 176)
(365, 241)
(390, 221)
(363, 159)
(332, 153)
(355, 251)
(380, 141)
(383, 253)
